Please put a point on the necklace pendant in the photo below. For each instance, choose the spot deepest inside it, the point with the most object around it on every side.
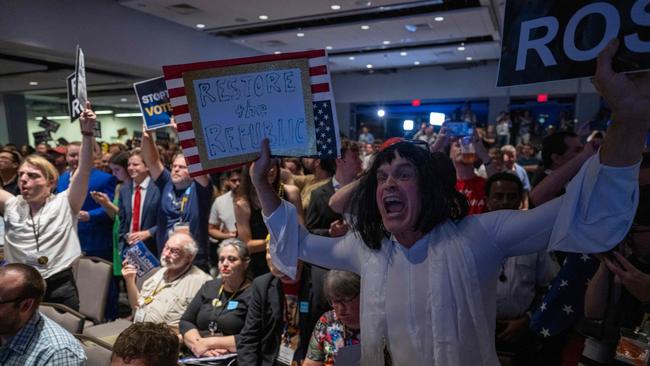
(216, 303)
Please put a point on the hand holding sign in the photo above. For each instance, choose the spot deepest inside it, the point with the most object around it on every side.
(628, 95)
(87, 120)
(260, 168)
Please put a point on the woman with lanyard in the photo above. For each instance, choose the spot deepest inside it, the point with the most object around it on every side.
(339, 327)
(41, 227)
(217, 313)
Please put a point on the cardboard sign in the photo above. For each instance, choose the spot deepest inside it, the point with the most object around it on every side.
(122, 132)
(74, 106)
(554, 39)
(223, 109)
(154, 102)
(41, 137)
(62, 141)
(80, 78)
(143, 260)
(49, 125)
(98, 129)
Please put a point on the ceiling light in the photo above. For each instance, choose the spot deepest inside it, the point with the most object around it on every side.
(300, 34)
(351, 58)
(123, 99)
(403, 53)
(461, 48)
(277, 52)
(365, 27)
(104, 112)
(439, 19)
(335, 7)
(200, 26)
(128, 114)
(381, 112)
(54, 118)
(329, 48)
(33, 83)
(469, 58)
(368, 66)
(386, 42)
(416, 63)
(263, 17)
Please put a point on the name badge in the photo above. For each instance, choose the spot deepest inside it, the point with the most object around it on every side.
(285, 356)
(139, 316)
(232, 305)
(304, 306)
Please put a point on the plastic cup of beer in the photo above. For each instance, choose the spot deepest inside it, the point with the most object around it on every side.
(467, 150)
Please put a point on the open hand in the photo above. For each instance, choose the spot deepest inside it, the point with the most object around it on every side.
(628, 95)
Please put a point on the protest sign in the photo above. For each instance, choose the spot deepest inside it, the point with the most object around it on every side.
(62, 141)
(122, 132)
(41, 137)
(74, 107)
(49, 125)
(139, 256)
(154, 102)
(223, 109)
(555, 40)
(98, 129)
(80, 78)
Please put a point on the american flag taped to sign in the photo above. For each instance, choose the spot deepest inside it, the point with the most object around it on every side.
(326, 126)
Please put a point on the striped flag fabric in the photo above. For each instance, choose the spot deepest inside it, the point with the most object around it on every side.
(328, 146)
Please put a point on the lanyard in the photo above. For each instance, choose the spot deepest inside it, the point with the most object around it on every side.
(185, 199)
(213, 327)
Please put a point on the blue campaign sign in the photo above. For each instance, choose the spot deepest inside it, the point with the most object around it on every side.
(143, 260)
(153, 99)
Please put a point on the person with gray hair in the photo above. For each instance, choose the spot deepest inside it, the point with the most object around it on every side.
(166, 294)
(340, 326)
(216, 315)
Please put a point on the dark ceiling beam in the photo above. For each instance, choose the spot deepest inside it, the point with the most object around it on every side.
(56, 66)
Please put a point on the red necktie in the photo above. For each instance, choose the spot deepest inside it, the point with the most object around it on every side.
(135, 221)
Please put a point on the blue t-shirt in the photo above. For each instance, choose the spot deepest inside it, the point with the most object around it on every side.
(195, 211)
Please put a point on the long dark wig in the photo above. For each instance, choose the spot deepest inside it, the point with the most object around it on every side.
(436, 183)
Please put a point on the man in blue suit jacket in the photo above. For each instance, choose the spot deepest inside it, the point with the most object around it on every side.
(149, 206)
(95, 226)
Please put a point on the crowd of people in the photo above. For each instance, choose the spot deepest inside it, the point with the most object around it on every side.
(433, 250)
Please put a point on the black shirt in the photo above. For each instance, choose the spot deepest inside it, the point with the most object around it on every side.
(229, 310)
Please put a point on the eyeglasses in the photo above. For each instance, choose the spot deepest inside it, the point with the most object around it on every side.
(342, 302)
(13, 300)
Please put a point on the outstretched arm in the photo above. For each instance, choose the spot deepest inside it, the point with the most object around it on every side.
(151, 156)
(78, 189)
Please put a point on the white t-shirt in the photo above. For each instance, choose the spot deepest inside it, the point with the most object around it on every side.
(223, 210)
(56, 228)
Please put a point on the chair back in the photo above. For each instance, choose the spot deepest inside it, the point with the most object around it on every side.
(66, 317)
(93, 278)
(98, 352)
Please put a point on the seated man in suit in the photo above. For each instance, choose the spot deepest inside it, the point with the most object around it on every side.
(138, 206)
(281, 316)
(320, 219)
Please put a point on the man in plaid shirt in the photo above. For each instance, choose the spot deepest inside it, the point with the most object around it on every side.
(27, 337)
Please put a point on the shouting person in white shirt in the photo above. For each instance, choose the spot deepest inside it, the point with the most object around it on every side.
(427, 271)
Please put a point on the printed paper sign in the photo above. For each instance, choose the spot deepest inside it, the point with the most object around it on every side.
(41, 137)
(223, 109)
(154, 102)
(554, 40)
(80, 78)
(75, 108)
(143, 260)
(49, 125)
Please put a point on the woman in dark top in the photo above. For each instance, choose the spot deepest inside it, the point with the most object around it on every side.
(248, 215)
(217, 313)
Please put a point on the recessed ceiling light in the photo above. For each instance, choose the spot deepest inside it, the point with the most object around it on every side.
(33, 83)
(335, 7)
(351, 58)
(123, 99)
(439, 19)
(329, 48)
(200, 26)
(461, 48)
(469, 58)
(416, 63)
(386, 42)
(403, 53)
(368, 66)
(365, 27)
(300, 34)
(263, 17)
(277, 52)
